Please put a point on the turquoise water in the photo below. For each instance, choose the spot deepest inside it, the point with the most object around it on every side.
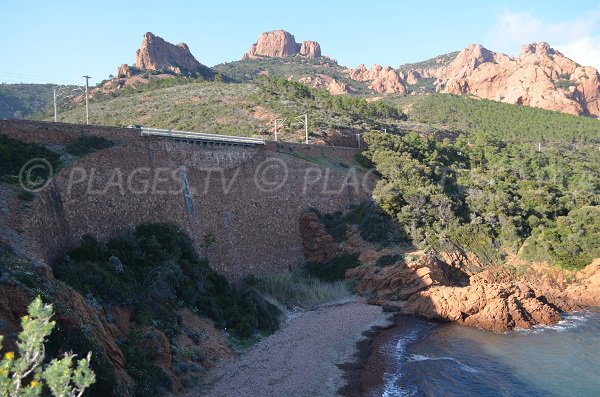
(433, 359)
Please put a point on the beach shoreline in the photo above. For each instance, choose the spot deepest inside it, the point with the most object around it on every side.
(312, 354)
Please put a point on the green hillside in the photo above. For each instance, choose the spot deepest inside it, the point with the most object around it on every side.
(296, 67)
(499, 120)
(240, 109)
(24, 100)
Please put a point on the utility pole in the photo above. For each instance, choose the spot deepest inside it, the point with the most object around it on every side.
(539, 146)
(306, 126)
(358, 142)
(55, 108)
(87, 104)
(276, 131)
(303, 118)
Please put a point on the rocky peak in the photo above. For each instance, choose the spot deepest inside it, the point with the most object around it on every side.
(537, 48)
(156, 53)
(540, 77)
(469, 59)
(281, 44)
(310, 49)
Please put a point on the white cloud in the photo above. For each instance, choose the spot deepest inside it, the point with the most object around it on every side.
(577, 39)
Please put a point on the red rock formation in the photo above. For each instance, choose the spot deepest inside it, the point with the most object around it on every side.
(402, 280)
(382, 79)
(310, 49)
(497, 307)
(124, 71)
(318, 244)
(330, 84)
(540, 76)
(281, 44)
(156, 54)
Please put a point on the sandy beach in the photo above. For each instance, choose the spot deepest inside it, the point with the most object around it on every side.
(302, 358)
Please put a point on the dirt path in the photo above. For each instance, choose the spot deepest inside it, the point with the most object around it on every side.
(300, 359)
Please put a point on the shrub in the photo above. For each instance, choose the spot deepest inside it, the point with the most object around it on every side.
(24, 374)
(88, 144)
(333, 270)
(14, 154)
(159, 272)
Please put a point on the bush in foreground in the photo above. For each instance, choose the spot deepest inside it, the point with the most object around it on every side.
(24, 374)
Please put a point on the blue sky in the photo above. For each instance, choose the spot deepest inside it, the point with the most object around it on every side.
(59, 41)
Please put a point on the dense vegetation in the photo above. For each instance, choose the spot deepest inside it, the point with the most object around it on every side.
(155, 271)
(490, 196)
(14, 154)
(519, 124)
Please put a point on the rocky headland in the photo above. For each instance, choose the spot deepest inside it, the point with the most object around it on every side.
(456, 287)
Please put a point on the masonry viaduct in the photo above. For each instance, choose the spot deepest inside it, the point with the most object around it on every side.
(248, 200)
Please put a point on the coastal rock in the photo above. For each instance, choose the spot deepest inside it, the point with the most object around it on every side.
(586, 290)
(497, 307)
(400, 280)
(156, 54)
(540, 77)
(281, 44)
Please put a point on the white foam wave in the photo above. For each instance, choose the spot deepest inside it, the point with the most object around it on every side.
(569, 321)
(390, 379)
(419, 357)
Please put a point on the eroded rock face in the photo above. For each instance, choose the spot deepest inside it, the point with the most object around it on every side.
(402, 280)
(281, 44)
(497, 307)
(310, 49)
(156, 54)
(540, 77)
(382, 79)
(124, 71)
(318, 244)
(330, 84)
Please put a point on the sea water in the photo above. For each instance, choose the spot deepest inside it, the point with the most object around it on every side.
(439, 359)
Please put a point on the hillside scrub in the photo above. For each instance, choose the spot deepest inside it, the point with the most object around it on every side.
(15, 153)
(155, 271)
(514, 123)
(243, 109)
(488, 196)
